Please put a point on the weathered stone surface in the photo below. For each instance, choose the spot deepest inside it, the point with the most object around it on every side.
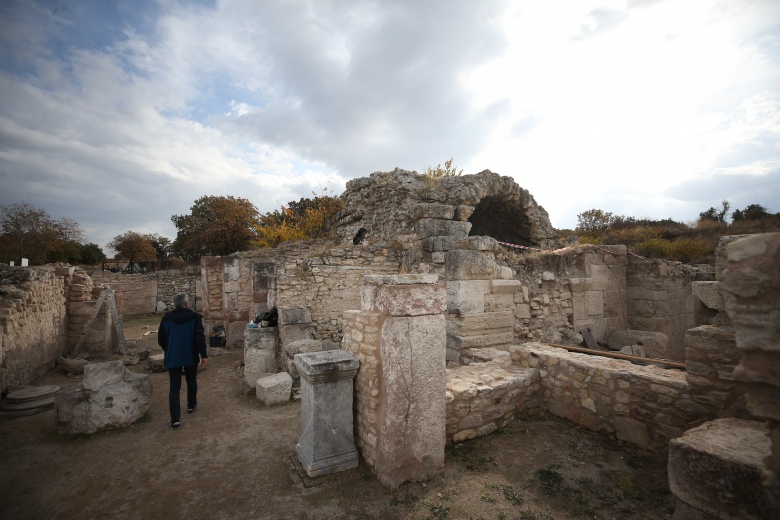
(326, 443)
(72, 366)
(294, 316)
(156, 363)
(274, 389)
(445, 243)
(429, 227)
(631, 430)
(110, 397)
(412, 425)
(469, 265)
(633, 350)
(260, 347)
(504, 286)
(466, 296)
(433, 210)
(717, 468)
(655, 343)
(709, 293)
(410, 300)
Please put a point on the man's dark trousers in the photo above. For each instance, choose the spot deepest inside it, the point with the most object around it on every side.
(174, 374)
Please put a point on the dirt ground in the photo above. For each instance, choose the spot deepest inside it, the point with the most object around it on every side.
(233, 459)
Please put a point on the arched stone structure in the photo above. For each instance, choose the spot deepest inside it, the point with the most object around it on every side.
(389, 205)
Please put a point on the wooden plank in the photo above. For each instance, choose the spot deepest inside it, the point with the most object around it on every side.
(617, 355)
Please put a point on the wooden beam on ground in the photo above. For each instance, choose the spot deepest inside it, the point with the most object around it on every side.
(617, 355)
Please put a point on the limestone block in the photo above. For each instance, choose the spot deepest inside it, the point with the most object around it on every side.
(410, 300)
(594, 303)
(429, 227)
(400, 279)
(156, 363)
(463, 212)
(505, 286)
(491, 339)
(433, 210)
(294, 315)
(478, 323)
(717, 468)
(721, 254)
(110, 396)
(260, 346)
(579, 285)
(303, 346)
(467, 296)
(499, 302)
(655, 343)
(413, 430)
(274, 389)
(469, 265)
(249, 383)
(291, 333)
(709, 293)
(72, 366)
(633, 350)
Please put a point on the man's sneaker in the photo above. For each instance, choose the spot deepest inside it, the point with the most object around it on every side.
(190, 410)
(174, 424)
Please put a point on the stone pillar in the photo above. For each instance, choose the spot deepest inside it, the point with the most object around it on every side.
(400, 338)
(326, 444)
(752, 279)
(260, 346)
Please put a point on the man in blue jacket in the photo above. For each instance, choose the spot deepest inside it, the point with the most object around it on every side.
(182, 339)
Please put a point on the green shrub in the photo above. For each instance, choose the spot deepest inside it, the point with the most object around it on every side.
(652, 247)
(687, 249)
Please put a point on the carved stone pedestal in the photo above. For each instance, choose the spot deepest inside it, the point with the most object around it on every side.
(327, 443)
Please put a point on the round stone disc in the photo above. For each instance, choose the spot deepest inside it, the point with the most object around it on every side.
(31, 393)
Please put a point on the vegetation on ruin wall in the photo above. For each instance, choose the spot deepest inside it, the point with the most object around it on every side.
(671, 240)
(306, 219)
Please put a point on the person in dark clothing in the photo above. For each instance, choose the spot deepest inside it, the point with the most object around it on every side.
(182, 339)
(359, 237)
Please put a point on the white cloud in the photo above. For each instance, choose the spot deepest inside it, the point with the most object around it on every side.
(628, 106)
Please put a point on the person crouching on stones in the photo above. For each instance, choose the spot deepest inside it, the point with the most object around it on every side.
(359, 237)
(182, 339)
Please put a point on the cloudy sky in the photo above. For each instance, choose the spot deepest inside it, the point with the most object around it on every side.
(121, 114)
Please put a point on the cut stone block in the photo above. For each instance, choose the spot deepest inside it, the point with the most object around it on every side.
(302, 346)
(274, 389)
(709, 293)
(469, 265)
(717, 468)
(430, 227)
(505, 286)
(294, 315)
(433, 210)
(260, 347)
(410, 300)
(467, 296)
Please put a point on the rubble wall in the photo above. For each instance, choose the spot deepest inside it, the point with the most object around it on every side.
(644, 405)
(330, 282)
(33, 322)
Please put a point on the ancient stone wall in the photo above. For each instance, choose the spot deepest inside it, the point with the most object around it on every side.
(33, 322)
(393, 206)
(489, 394)
(752, 281)
(139, 291)
(150, 292)
(660, 299)
(644, 405)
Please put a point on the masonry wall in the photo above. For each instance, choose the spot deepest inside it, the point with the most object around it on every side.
(331, 282)
(644, 405)
(33, 322)
(147, 293)
(660, 300)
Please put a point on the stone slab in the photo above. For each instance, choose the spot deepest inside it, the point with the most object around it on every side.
(409, 300)
(466, 296)
(430, 227)
(717, 468)
(469, 265)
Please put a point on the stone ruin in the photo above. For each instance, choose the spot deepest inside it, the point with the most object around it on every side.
(452, 316)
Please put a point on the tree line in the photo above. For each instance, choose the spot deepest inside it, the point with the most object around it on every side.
(215, 226)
